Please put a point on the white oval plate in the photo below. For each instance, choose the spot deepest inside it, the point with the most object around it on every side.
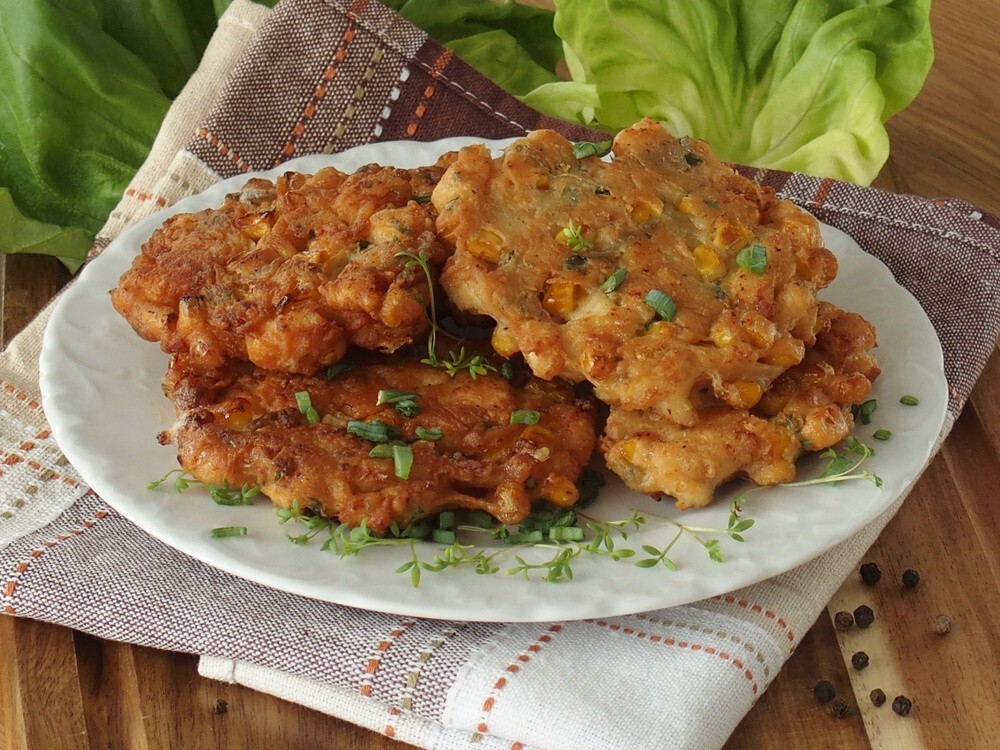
(101, 392)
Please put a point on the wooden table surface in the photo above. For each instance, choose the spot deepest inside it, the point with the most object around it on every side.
(65, 689)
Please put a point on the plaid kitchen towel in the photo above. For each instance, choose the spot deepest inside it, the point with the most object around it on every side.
(320, 76)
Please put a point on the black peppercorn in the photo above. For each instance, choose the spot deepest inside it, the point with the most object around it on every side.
(824, 691)
(902, 705)
(864, 616)
(859, 660)
(870, 573)
(840, 708)
(910, 578)
(843, 620)
(877, 696)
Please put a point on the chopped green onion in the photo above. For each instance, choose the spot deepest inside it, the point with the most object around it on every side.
(866, 410)
(882, 434)
(479, 518)
(526, 537)
(446, 519)
(507, 369)
(304, 403)
(614, 281)
(909, 400)
(443, 536)
(711, 203)
(393, 396)
(402, 459)
(407, 408)
(565, 533)
(662, 303)
(753, 258)
(525, 416)
(420, 198)
(225, 531)
(429, 433)
(583, 149)
(339, 368)
(382, 450)
(375, 431)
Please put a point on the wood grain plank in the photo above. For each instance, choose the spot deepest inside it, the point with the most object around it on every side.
(28, 283)
(788, 710)
(40, 693)
(110, 693)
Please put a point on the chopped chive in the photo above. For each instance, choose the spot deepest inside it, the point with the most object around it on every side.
(583, 149)
(507, 369)
(711, 203)
(867, 409)
(304, 402)
(225, 531)
(382, 450)
(402, 459)
(479, 518)
(446, 519)
(614, 281)
(375, 431)
(443, 536)
(429, 433)
(339, 368)
(420, 198)
(882, 434)
(526, 537)
(565, 533)
(408, 408)
(393, 396)
(525, 416)
(662, 303)
(909, 400)
(753, 258)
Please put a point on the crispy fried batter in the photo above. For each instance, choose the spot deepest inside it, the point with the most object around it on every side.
(537, 232)
(242, 425)
(288, 274)
(806, 409)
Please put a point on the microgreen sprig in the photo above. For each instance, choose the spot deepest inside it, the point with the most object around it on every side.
(454, 362)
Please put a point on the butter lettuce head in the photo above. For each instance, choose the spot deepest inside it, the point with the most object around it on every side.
(801, 85)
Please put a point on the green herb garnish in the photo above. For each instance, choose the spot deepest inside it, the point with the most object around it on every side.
(404, 401)
(662, 303)
(525, 416)
(572, 235)
(375, 431)
(909, 400)
(882, 434)
(304, 402)
(614, 281)
(429, 433)
(753, 258)
(583, 149)
(226, 531)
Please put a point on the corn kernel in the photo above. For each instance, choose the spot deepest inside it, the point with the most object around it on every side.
(503, 342)
(786, 352)
(542, 182)
(686, 205)
(706, 260)
(559, 491)
(722, 336)
(485, 245)
(560, 298)
(758, 330)
(729, 234)
(747, 393)
(537, 435)
(647, 209)
(771, 403)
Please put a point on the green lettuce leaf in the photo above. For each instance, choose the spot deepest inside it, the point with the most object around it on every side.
(794, 84)
(20, 234)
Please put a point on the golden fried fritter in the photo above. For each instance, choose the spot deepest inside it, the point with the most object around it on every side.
(662, 277)
(808, 408)
(288, 274)
(244, 425)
